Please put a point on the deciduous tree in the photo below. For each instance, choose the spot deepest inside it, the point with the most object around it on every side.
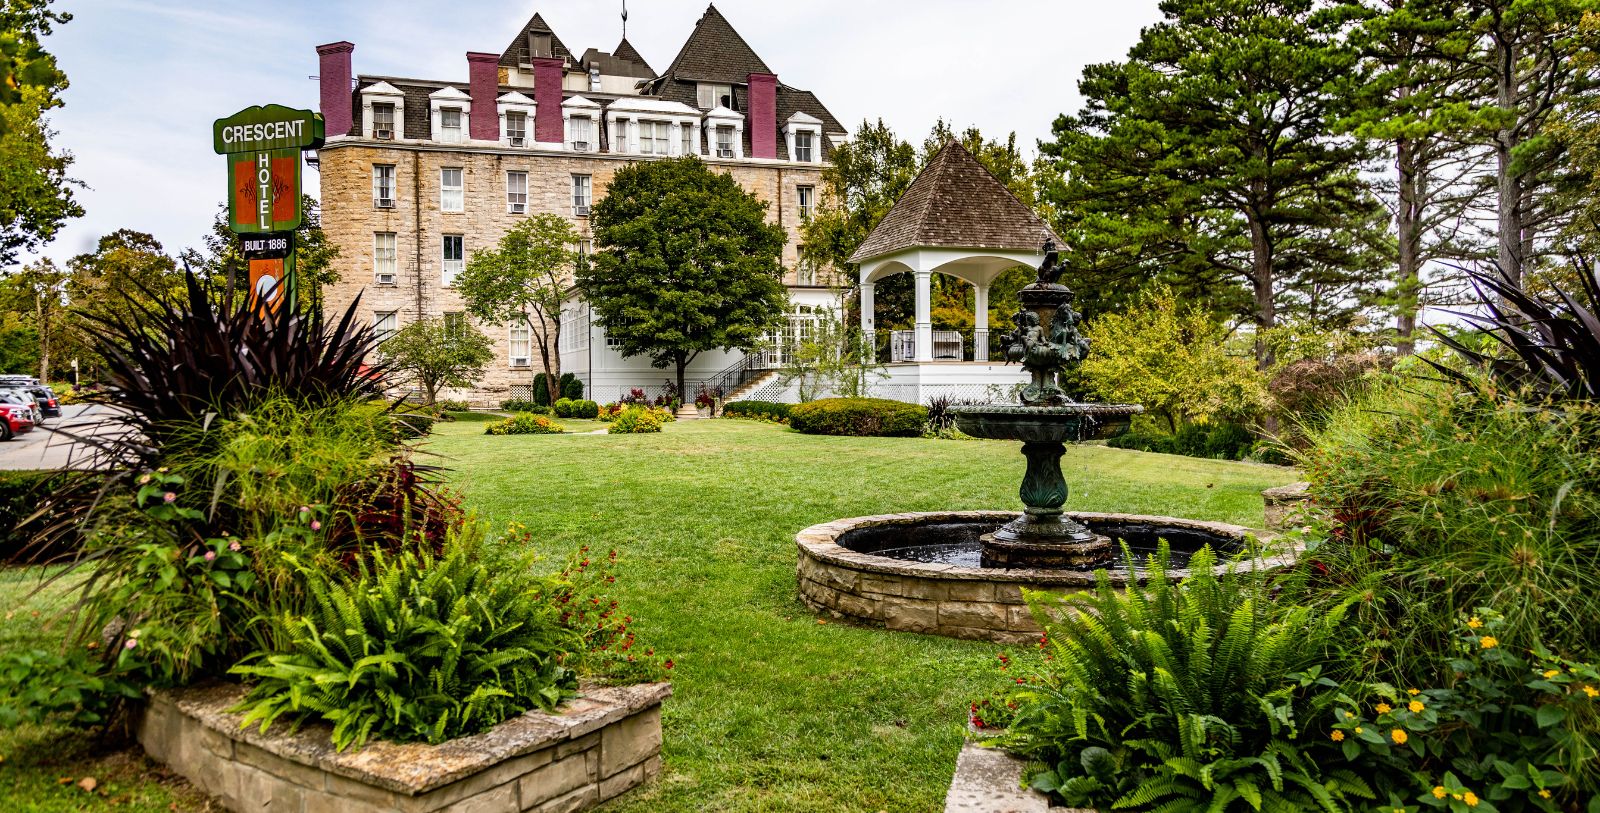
(437, 352)
(687, 262)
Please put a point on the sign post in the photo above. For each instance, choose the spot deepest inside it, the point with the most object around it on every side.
(263, 146)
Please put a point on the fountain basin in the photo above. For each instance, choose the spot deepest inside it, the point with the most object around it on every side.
(919, 572)
(1071, 423)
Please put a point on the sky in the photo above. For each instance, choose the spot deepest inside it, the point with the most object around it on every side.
(148, 77)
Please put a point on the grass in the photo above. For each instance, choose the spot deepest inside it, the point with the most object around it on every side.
(772, 710)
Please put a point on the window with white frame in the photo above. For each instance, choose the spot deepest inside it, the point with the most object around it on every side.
(517, 192)
(580, 133)
(383, 186)
(452, 190)
(805, 270)
(803, 146)
(710, 95)
(385, 324)
(453, 261)
(450, 125)
(808, 200)
(385, 259)
(455, 324)
(689, 147)
(580, 194)
(653, 138)
(516, 128)
(574, 327)
(724, 142)
(519, 343)
(383, 120)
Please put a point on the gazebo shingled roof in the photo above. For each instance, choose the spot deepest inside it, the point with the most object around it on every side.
(955, 202)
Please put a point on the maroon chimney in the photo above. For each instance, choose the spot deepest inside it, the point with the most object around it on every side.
(763, 115)
(547, 72)
(335, 73)
(483, 71)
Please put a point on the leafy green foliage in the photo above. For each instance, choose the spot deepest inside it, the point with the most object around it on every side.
(526, 405)
(861, 417)
(1224, 441)
(524, 424)
(414, 649)
(687, 263)
(576, 408)
(38, 687)
(223, 263)
(635, 420)
(522, 280)
(571, 387)
(433, 353)
(1177, 697)
(760, 410)
(1173, 360)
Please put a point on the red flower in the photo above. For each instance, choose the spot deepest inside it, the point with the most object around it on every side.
(668, 664)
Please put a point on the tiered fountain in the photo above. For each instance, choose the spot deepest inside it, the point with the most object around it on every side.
(961, 573)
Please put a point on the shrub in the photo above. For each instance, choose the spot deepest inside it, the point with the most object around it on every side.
(541, 389)
(1182, 697)
(518, 405)
(563, 408)
(1226, 441)
(571, 387)
(21, 494)
(585, 409)
(451, 405)
(524, 424)
(758, 410)
(41, 687)
(414, 649)
(636, 420)
(862, 417)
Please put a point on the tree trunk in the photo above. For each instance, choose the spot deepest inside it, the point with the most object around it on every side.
(1408, 227)
(1507, 185)
(43, 318)
(1261, 278)
(681, 359)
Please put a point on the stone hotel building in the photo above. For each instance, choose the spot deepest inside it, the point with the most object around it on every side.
(418, 174)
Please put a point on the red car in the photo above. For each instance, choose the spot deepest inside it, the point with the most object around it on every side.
(17, 420)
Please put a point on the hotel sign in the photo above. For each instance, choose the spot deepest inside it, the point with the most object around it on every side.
(263, 147)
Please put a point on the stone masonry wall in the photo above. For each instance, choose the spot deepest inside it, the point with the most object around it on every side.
(350, 220)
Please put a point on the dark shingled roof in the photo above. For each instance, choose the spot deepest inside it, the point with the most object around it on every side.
(955, 202)
(715, 52)
(517, 52)
(625, 50)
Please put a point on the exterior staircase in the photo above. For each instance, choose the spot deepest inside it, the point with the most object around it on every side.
(757, 382)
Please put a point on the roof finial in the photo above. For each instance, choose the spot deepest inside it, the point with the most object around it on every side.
(624, 19)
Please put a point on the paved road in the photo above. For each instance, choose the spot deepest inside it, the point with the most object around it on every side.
(48, 446)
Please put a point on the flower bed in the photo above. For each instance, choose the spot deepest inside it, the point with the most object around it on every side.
(591, 749)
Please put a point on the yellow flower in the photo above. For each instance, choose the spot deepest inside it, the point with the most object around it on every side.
(1488, 642)
(1349, 715)
(1474, 622)
(1591, 691)
(1544, 793)
(1413, 692)
(1338, 736)
(1470, 798)
(1399, 736)
(1416, 707)
(1550, 673)
(1383, 708)
(1359, 729)
(1439, 792)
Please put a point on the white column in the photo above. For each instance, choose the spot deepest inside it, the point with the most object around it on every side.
(566, 127)
(980, 321)
(738, 140)
(924, 325)
(674, 141)
(869, 333)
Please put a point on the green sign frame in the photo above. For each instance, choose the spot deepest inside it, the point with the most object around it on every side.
(268, 127)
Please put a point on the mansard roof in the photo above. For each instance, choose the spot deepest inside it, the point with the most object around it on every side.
(715, 52)
(517, 52)
(955, 202)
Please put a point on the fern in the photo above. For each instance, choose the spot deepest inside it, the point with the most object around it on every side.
(1194, 690)
(413, 648)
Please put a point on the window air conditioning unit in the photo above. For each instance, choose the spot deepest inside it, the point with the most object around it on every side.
(519, 208)
(518, 141)
(580, 146)
(384, 203)
(520, 361)
(581, 211)
(385, 279)
(384, 135)
(722, 153)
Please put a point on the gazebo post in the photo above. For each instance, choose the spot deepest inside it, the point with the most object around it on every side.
(924, 323)
(980, 322)
(869, 335)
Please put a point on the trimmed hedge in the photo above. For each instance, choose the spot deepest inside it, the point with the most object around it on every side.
(571, 388)
(524, 424)
(758, 410)
(859, 417)
(576, 408)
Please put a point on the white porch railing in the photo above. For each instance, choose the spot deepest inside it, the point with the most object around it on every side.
(948, 345)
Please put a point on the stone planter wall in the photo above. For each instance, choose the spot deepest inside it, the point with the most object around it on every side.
(593, 748)
(1287, 506)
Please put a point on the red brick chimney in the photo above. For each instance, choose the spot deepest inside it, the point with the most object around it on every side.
(335, 74)
(483, 72)
(763, 115)
(547, 71)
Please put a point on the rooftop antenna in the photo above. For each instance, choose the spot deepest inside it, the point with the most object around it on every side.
(624, 19)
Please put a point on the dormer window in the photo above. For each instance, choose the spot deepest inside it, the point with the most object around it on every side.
(515, 112)
(450, 125)
(383, 112)
(802, 133)
(711, 95)
(517, 129)
(580, 134)
(653, 138)
(803, 146)
(724, 142)
(383, 121)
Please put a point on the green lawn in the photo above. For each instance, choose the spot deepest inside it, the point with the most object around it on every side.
(773, 711)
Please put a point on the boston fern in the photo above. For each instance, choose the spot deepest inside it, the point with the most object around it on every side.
(414, 648)
(1182, 697)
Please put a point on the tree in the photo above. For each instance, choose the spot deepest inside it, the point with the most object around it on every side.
(1172, 359)
(1207, 160)
(436, 352)
(37, 295)
(35, 192)
(525, 277)
(224, 266)
(831, 356)
(127, 267)
(687, 262)
(24, 64)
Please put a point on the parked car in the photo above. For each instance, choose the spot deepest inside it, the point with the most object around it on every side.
(15, 419)
(20, 397)
(49, 405)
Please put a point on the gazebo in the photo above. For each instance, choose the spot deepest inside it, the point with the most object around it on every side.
(956, 218)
